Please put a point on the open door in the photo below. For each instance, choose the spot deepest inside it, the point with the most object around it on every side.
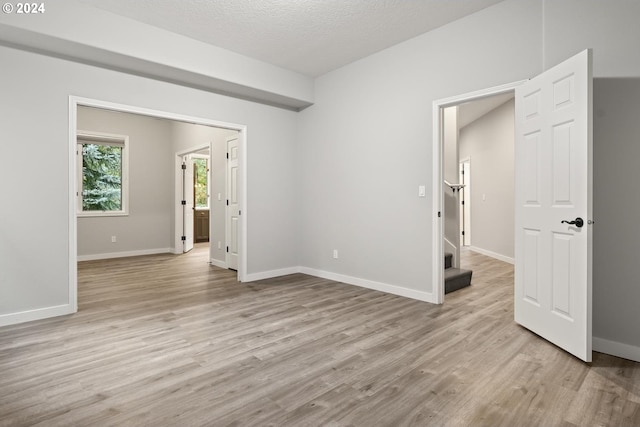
(187, 203)
(553, 187)
(233, 203)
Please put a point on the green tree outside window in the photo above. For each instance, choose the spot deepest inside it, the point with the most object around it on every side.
(101, 177)
(201, 187)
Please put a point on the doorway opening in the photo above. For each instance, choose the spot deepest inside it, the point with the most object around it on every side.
(201, 196)
(159, 187)
(553, 174)
(208, 207)
(449, 193)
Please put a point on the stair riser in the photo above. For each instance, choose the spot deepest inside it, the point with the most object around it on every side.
(456, 281)
(448, 260)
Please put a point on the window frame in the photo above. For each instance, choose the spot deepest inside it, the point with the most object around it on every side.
(101, 138)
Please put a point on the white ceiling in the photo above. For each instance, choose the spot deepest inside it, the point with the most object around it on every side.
(311, 37)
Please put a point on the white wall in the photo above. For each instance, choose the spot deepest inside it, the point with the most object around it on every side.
(489, 142)
(616, 283)
(34, 240)
(148, 227)
(450, 145)
(609, 27)
(451, 174)
(186, 136)
(365, 146)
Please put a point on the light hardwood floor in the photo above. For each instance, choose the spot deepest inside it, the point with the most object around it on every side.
(170, 341)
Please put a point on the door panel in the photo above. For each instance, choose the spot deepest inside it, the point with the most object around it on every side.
(554, 184)
(233, 208)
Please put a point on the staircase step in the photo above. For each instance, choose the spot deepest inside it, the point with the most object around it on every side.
(456, 278)
(448, 260)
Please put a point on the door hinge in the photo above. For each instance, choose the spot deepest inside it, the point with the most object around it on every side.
(463, 232)
(463, 202)
(227, 248)
(184, 202)
(239, 213)
(227, 202)
(184, 166)
(183, 238)
(439, 215)
(227, 156)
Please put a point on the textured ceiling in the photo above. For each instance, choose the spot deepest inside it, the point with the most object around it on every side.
(311, 37)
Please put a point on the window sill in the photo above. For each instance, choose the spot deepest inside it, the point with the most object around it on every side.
(100, 214)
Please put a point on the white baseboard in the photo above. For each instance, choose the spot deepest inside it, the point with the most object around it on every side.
(370, 284)
(37, 314)
(617, 349)
(271, 273)
(218, 263)
(492, 254)
(125, 254)
(364, 283)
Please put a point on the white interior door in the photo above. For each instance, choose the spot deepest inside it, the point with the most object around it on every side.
(233, 206)
(554, 205)
(187, 203)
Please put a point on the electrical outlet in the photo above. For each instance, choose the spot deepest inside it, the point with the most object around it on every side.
(335, 254)
(113, 239)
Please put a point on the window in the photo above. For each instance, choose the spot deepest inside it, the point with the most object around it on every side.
(201, 182)
(102, 174)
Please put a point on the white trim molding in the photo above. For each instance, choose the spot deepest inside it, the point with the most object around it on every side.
(617, 349)
(491, 254)
(370, 284)
(349, 280)
(272, 273)
(218, 263)
(36, 314)
(437, 266)
(110, 255)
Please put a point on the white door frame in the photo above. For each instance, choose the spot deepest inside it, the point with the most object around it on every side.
(74, 102)
(438, 177)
